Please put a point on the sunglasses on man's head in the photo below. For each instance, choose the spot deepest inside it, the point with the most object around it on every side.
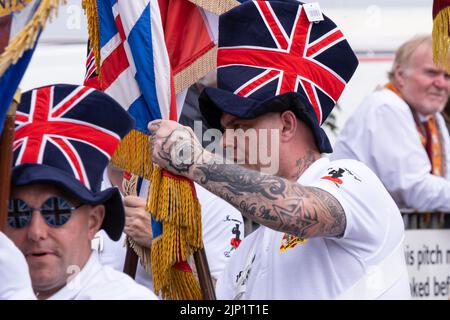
(56, 211)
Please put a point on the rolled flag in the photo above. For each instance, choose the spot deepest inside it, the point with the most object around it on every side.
(441, 34)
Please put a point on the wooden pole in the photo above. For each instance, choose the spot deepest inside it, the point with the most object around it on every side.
(131, 261)
(129, 188)
(204, 275)
(6, 142)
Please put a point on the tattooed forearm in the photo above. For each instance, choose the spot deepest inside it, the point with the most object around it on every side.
(273, 201)
(241, 182)
(181, 150)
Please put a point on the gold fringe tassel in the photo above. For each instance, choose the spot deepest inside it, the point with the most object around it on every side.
(26, 37)
(171, 200)
(441, 39)
(216, 6)
(133, 154)
(8, 7)
(91, 11)
(143, 253)
(196, 70)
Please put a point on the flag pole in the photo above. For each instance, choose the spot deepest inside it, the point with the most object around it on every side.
(204, 275)
(6, 142)
(131, 261)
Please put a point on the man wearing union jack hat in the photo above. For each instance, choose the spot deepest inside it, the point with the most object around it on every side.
(64, 138)
(329, 230)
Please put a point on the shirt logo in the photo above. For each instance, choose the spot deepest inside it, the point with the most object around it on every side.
(335, 175)
(236, 239)
(290, 241)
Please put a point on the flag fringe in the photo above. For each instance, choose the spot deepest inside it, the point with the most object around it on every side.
(172, 201)
(26, 37)
(441, 39)
(91, 11)
(216, 6)
(134, 154)
(143, 253)
(196, 70)
(8, 7)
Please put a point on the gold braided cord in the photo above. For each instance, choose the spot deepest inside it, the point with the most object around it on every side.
(172, 201)
(134, 154)
(26, 38)
(441, 39)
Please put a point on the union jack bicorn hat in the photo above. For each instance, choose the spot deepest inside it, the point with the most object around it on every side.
(271, 58)
(65, 135)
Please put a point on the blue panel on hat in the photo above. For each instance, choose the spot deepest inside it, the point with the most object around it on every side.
(237, 29)
(95, 166)
(55, 158)
(342, 64)
(231, 78)
(285, 13)
(327, 104)
(267, 91)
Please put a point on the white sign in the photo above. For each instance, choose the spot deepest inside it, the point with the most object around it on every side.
(427, 254)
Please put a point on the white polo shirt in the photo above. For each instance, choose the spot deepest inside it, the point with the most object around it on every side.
(382, 134)
(92, 282)
(323, 268)
(98, 282)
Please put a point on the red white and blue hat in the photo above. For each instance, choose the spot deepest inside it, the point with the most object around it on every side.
(271, 58)
(65, 135)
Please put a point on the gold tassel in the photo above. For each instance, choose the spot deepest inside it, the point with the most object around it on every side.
(184, 286)
(91, 11)
(196, 70)
(216, 6)
(441, 39)
(133, 154)
(26, 37)
(143, 253)
(8, 7)
(173, 202)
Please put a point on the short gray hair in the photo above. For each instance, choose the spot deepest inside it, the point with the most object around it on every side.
(405, 51)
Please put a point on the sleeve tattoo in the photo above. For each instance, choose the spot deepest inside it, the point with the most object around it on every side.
(275, 202)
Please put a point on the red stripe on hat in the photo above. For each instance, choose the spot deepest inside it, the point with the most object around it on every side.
(245, 91)
(324, 42)
(74, 160)
(272, 24)
(71, 102)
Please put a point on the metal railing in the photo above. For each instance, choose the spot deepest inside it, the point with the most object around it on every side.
(414, 219)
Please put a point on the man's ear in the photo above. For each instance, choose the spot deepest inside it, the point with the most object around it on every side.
(399, 75)
(289, 125)
(96, 216)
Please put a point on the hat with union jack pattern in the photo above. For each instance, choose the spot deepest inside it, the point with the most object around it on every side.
(271, 58)
(65, 135)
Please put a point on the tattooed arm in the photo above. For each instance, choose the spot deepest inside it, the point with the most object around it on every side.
(272, 201)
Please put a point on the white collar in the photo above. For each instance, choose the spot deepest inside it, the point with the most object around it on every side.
(78, 279)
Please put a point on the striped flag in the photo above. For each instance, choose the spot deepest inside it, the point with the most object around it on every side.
(147, 53)
(142, 64)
